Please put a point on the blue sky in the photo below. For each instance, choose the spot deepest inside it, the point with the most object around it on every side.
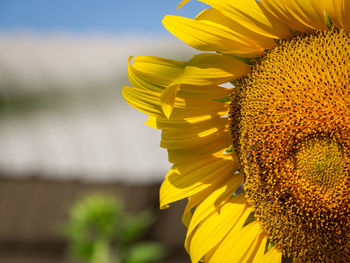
(106, 16)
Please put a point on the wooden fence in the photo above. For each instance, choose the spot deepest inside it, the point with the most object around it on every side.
(32, 211)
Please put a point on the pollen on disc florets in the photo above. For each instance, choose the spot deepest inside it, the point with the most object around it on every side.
(291, 129)
(321, 162)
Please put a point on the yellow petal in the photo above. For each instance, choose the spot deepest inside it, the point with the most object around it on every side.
(204, 92)
(258, 248)
(214, 17)
(198, 76)
(203, 70)
(272, 256)
(192, 202)
(153, 73)
(207, 37)
(182, 3)
(142, 100)
(339, 12)
(239, 245)
(189, 128)
(193, 154)
(159, 123)
(226, 190)
(167, 99)
(209, 137)
(257, 257)
(277, 9)
(185, 180)
(213, 201)
(252, 16)
(301, 15)
(149, 102)
(159, 70)
(211, 69)
(214, 228)
(310, 13)
(208, 256)
(183, 137)
(189, 140)
(195, 137)
(156, 74)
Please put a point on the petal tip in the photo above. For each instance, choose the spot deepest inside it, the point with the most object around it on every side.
(167, 99)
(181, 4)
(167, 110)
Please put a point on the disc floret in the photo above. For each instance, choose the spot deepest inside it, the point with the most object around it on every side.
(291, 128)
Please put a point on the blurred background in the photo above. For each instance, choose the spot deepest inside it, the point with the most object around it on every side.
(73, 154)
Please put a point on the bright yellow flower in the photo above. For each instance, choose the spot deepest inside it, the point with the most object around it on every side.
(265, 165)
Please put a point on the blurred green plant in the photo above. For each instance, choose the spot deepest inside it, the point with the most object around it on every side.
(100, 231)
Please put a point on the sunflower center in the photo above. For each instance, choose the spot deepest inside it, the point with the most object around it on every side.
(321, 161)
(291, 128)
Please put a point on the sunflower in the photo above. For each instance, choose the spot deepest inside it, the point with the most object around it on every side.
(264, 163)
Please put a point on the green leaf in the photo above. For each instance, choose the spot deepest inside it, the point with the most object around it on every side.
(269, 245)
(97, 216)
(133, 227)
(329, 22)
(247, 61)
(239, 191)
(229, 149)
(250, 219)
(144, 253)
(286, 259)
(223, 99)
(102, 253)
(94, 219)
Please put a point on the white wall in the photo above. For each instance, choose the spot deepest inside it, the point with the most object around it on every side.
(91, 134)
